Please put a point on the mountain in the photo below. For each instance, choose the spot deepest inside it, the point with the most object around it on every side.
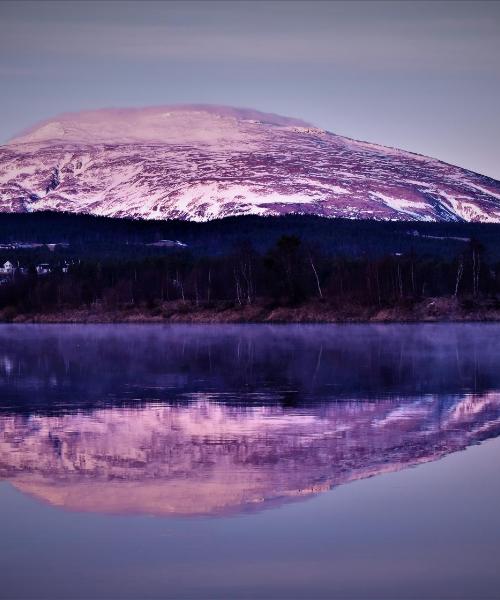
(200, 162)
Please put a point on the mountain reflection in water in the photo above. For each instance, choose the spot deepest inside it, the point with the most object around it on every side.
(200, 420)
(208, 458)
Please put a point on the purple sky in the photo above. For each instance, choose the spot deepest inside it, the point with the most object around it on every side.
(424, 76)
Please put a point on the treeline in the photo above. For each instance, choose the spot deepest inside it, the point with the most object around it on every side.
(100, 238)
(289, 273)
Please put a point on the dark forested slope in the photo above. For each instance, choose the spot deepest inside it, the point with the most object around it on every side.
(106, 237)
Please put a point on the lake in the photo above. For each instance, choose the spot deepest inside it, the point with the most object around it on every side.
(250, 461)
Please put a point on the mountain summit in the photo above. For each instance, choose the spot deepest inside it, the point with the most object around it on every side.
(202, 162)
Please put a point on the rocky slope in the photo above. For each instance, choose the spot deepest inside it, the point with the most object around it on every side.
(203, 162)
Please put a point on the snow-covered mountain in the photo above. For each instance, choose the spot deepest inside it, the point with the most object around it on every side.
(204, 162)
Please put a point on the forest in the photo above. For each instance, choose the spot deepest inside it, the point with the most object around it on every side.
(288, 269)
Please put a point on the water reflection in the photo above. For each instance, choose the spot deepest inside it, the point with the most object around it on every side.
(211, 458)
(186, 420)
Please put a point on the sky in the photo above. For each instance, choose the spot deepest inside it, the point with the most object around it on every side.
(418, 75)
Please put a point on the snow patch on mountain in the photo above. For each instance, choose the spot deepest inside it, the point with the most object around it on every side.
(400, 205)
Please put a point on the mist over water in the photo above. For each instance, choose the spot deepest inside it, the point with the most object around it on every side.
(70, 367)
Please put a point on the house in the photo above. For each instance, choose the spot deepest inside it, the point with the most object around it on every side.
(7, 269)
(43, 269)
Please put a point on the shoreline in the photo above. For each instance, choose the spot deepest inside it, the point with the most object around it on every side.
(431, 310)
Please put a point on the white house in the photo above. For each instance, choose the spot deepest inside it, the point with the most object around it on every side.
(7, 269)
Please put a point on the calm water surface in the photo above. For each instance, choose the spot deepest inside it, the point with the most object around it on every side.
(252, 461)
